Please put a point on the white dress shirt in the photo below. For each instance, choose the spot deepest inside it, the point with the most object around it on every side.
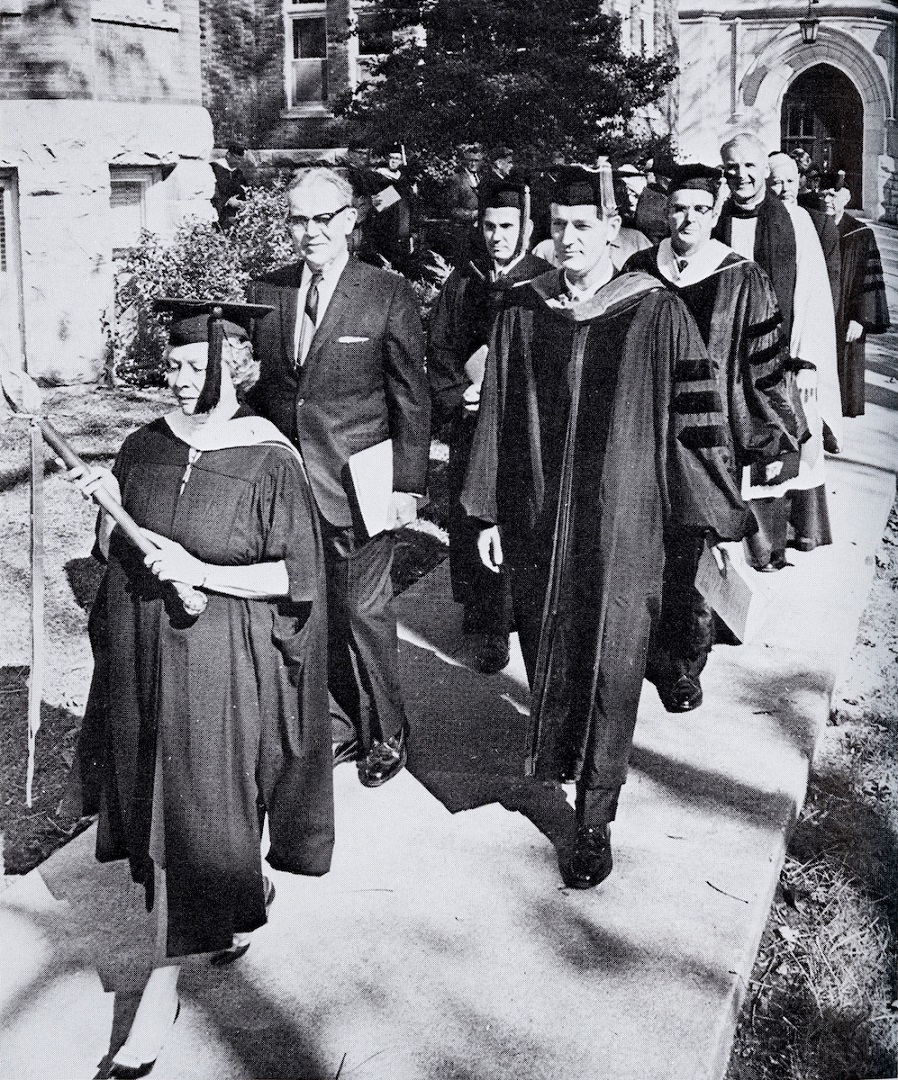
(304, 331)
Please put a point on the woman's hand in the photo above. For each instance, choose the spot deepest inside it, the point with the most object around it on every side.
(172, 562)
(88, 481)
(489, 547)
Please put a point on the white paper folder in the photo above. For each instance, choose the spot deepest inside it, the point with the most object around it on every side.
(371, 470)
(735, 594)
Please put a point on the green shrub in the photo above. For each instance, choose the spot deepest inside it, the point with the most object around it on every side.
(200, 262)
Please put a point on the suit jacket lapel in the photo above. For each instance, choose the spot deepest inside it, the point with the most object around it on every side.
(343, 294)
(288, 297)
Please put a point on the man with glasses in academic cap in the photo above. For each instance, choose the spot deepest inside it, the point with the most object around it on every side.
(342, 371)
(599, 429)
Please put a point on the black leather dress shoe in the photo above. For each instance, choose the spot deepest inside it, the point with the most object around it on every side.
(491, 653)
(346, 751)
(384, 759)
(225, 957)
(684, 695)
(589, 861)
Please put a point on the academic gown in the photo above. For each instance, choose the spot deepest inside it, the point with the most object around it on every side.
(864, 301)
(195, 730)
(735, 310)
(459, 325)
(600, 428)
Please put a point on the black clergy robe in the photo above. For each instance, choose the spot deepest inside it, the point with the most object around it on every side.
(864, 301)
(459, 325)
(737, 315)
(600, 428)
(774, 249)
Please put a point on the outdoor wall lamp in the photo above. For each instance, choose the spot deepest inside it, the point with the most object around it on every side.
(810, 24)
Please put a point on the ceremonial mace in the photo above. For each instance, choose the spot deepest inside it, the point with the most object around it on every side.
(24, 398)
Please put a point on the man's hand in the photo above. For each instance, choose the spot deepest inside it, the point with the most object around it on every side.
(854, 332)
(471, 398)
(474, 368)
(402, 510)
(172, 562)
(718, 556)
(489, 548)
(772, 471)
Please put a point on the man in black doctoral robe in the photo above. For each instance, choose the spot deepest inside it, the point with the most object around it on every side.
(863, 305)
(600, 429)
(735, 310)
(456, 349)
(781, 238)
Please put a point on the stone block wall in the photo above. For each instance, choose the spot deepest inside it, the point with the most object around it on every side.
(86, 87)
(112, 50)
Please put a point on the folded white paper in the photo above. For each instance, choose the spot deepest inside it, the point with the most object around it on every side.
(382, 199)
(736, 593)
(372, 480)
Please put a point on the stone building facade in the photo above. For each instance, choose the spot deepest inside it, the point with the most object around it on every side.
(744, 66)
(102, 132)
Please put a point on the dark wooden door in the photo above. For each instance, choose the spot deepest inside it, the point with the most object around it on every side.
(823, 113)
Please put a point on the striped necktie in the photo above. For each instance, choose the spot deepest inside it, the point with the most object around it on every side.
(309, 320)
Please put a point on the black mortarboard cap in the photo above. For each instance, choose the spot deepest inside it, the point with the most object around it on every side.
(190, 318)
(695, 176)
(577, 185)
(829, 181)
(504, 193)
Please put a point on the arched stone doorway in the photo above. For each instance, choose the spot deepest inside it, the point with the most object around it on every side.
(823, 113)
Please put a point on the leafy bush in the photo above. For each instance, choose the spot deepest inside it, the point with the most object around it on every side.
(199, 263)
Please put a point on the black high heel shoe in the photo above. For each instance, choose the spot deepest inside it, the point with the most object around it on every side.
(118, 1071)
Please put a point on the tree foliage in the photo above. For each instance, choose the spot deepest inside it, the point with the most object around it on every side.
(540, 75)
(200, 262)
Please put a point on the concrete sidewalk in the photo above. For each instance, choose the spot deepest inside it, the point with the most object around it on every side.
(443, 944)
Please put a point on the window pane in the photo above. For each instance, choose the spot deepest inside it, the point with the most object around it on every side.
(309, 81)
(375, 35)
(309, 39)
(126, 210)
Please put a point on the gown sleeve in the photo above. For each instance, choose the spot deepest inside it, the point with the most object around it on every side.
(289, 525)
(702, 495)
(762, 409)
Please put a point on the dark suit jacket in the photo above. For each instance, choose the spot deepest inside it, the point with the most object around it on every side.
(363, 380)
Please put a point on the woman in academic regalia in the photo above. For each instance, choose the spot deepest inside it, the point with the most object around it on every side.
(199, 728)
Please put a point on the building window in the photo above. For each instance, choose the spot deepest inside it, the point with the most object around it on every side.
(306, 26)
(128, 206)
(374, 41)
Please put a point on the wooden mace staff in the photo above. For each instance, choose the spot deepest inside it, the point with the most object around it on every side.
(24, 398)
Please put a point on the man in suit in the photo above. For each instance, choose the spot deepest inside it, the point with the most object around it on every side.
(343, 369)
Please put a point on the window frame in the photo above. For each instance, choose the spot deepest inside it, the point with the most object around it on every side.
(147, 177)
(295, 11)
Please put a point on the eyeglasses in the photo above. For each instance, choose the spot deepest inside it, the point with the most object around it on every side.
(300, 221)
(700, 210)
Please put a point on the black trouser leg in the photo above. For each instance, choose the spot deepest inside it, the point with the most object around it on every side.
(362, 642)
